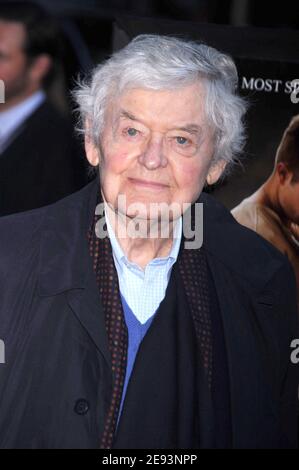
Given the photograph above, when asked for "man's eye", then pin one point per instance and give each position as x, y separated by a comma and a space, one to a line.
182, 140
132, 132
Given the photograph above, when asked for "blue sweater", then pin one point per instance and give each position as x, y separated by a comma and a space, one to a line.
136, 333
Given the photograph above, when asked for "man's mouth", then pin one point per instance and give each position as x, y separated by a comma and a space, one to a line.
147, 184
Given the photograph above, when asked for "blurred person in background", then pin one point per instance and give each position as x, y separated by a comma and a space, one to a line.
273, 210
40, 159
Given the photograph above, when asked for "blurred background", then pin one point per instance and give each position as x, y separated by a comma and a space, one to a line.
91, 21
262, 37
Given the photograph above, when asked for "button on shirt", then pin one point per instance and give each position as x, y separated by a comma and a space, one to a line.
14, 117
144, 290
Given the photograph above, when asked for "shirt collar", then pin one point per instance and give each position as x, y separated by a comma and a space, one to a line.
120, 257
12, 118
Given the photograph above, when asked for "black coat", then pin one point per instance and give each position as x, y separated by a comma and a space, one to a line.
56, 382
41, 164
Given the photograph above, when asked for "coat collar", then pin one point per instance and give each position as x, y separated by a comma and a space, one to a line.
246, 254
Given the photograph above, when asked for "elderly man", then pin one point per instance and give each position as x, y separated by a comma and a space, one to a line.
143, 338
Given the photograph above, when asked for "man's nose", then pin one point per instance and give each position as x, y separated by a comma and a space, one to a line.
153, 156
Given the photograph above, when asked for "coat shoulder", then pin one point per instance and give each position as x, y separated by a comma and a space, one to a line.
20, 233
19, 243
16, 228
239, 247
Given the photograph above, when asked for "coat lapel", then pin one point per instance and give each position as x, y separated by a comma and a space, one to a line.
86, 305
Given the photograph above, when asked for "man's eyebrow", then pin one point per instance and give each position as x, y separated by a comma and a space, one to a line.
190, 128
128, 115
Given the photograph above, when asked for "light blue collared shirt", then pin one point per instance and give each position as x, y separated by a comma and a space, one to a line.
144, 290
12, 118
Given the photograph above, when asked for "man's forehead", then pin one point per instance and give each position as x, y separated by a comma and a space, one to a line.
187, 92
12, 34
184, 106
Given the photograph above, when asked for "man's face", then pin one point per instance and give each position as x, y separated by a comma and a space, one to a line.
289, 198
156, 147
13, 61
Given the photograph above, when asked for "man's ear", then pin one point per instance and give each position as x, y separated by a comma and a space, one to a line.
215, 171
92, 152
40, 67
283, 172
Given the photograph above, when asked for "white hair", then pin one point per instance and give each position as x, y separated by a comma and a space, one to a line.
165, 63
